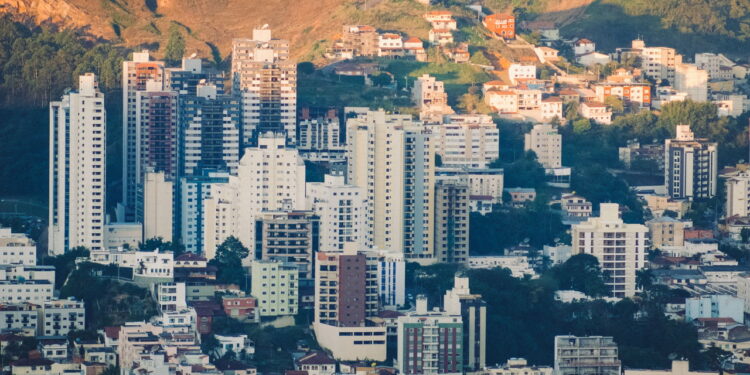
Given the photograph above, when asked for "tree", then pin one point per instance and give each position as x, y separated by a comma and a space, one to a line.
158, 243
306, 68
65, 263
745, 234
228, 260
644, 278
111, 370
582, 273
615, 103
175, 48
382, 79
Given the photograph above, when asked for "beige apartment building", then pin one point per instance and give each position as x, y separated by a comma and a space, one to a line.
666, 231
392, 158
619, 247
546, 142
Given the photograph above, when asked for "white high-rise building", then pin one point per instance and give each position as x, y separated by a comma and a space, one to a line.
471, 141
136, 75
157, 207
392, 157
738, 194
194, 191
343, 213
546, 142
691, 165
270, 177
267, 80
659, 63
619, 247
77, 183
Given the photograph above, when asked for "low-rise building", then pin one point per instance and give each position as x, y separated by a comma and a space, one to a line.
517, 366
16, 248
518, 265
240, 308
237, 344
596, 111
714, 306
519, 196
576, 206
666, 231
316, 363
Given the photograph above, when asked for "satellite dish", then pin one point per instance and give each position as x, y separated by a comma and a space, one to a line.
194, 55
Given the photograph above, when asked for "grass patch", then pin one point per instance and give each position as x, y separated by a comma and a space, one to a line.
457, 77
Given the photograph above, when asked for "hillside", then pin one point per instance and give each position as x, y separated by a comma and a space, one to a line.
210, 25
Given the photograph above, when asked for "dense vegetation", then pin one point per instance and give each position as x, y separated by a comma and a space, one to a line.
108, 302
37, 64
524, 313
688, 25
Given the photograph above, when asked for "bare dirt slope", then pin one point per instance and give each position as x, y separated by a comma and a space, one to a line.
308, 24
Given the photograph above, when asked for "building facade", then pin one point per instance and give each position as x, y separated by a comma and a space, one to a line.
392, 158
266, 78
275, 285
586, 355
452, 211
77, 185
342, 209
16, 248
691, 165
468, 141
546, 142
619, 247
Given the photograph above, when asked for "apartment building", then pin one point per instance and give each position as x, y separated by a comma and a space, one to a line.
266, 78
546, 142
137, 75
156, 132
430, 342
155, 206
576, 355
346, 295
693, 81
470, 141
16, 248
210, 131
361, 39
596, 111
659, 63
275, 285
170, 296
576, 206
320, 138
31, 291
292, 237
391, 278
342, 209
392, 157
738, 194
619, 247
21, 317
189, 219
483, 183
713, 64
271, 177
430, 96
635, 93
77, 152
186, 79
691, 165
452, 211
60, 317
666, 231
519, 72
473, 312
